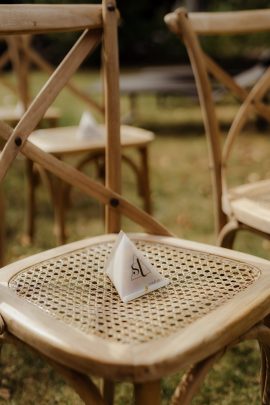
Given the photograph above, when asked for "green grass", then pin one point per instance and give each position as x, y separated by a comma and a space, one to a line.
181, 192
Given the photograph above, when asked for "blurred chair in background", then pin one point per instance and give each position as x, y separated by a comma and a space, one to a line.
246, 206
20, 93
63, 141
15, 54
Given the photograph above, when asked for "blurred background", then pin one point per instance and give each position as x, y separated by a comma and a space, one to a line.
144, 38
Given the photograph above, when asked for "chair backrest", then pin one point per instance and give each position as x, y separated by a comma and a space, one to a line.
20, 65
99, 24
189, 27
23, 55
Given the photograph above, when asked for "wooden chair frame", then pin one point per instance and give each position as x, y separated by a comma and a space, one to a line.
76, 354
22, 55
188, 27
17, 138
94, 18
17, 47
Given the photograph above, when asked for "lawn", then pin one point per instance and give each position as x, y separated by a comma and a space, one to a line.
181, 193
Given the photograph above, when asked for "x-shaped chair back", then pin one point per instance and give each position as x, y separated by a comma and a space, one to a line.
189, 27
22, 55
99, 24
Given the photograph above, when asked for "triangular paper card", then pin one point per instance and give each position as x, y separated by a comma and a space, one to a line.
130, 271
19, 108
88, 128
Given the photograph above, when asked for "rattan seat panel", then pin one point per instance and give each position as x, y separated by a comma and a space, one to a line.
74, 289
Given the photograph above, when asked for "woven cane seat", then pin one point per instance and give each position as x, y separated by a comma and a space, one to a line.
74, 289
63, 296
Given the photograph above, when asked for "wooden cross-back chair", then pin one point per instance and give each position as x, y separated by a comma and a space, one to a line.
63, 141
246, 206
20, 89
62, 305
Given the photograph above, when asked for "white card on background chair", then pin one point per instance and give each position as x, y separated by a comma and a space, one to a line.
88, 128
130, 271
19, 108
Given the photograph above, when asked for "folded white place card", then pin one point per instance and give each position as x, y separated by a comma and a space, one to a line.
130, 271
19, 108
88, 128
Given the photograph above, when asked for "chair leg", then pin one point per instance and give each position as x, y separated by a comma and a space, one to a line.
265, 375
145, 179
31, 202
59, 212
227, 234
81, 384
108, 391
142, 176
84, 387
147, 393
56, 188
133, 106
265, 369
192, 380
2, 228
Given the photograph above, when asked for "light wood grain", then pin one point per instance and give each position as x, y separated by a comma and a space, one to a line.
112, 111
235, 22
28, 19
